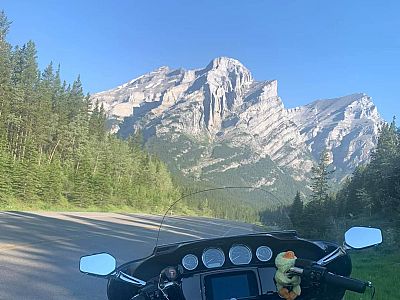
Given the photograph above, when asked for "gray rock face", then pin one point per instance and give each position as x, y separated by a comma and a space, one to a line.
346, 127
223, 105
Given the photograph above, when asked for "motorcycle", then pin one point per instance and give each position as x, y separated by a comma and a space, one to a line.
230, 256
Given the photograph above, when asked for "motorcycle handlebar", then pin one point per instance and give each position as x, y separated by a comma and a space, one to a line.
314, 272
350, 284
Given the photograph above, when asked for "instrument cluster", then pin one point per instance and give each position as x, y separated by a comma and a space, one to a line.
239, 254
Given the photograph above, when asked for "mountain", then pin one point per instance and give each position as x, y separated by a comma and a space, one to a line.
347, 127
218, 124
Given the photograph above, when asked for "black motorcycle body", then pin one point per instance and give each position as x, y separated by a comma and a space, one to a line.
255, 279
218, 259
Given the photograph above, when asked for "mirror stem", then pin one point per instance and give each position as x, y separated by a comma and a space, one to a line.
340, 251
130, 279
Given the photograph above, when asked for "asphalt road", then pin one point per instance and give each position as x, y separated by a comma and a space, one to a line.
39, 252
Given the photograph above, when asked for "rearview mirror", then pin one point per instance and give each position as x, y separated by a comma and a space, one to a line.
362, 237
102, 264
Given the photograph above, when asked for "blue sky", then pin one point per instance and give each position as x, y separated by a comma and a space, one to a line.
316, 49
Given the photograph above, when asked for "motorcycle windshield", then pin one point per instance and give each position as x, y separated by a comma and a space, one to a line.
217, 212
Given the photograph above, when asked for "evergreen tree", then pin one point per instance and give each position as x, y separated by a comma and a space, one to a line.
5, 172
296, 212
383, 173
318, 212
5, 73
374, 189
319, 185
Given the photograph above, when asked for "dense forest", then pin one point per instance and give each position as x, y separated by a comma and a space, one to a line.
54, 147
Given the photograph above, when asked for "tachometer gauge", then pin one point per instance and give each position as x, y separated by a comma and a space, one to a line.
190, 262
264, 253
240, 255
213, 258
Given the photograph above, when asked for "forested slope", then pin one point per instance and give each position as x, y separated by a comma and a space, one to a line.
54, 147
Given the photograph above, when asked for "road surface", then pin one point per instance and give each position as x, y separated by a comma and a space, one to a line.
39, 252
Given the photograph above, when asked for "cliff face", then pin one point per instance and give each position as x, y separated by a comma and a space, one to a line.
347, 127
219, 119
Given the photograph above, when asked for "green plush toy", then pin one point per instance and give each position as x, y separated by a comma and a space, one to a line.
288, 288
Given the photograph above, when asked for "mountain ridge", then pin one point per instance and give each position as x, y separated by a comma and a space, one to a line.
222, 104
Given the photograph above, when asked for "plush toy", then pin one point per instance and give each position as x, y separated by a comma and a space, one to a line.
288, 287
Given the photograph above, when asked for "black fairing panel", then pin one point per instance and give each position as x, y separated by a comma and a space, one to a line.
171, 255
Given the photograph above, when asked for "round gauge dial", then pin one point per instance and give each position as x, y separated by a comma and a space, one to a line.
264, 253
190, 262
240, 255
213, 258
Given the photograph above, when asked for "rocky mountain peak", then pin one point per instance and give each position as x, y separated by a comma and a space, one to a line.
227, 73
226, 64
222, 104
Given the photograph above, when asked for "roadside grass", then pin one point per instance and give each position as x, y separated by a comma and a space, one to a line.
65, 206
380, 267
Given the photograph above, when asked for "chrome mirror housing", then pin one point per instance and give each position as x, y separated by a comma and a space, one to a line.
102, 264
354, 238
362, 237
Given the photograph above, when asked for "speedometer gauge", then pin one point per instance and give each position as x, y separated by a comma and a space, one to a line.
240, 255
213, 258
190, 262
264, 253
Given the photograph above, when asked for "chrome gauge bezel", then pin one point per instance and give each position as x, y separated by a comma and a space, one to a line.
258, 253
184, 260
234, 259
207, 251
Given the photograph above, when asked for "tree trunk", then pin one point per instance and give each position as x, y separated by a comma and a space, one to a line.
54, 151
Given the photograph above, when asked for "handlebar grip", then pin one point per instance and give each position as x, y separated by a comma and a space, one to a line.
303, 263
351, 284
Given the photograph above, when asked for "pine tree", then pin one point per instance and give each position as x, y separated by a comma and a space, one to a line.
296, 212
5, 172
382, 173
319, 185
5, 72
316, 213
